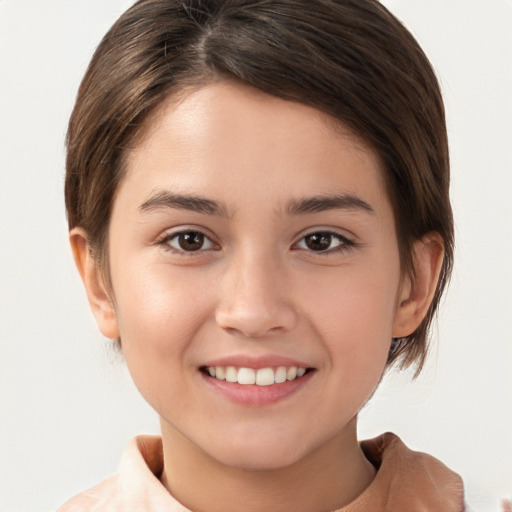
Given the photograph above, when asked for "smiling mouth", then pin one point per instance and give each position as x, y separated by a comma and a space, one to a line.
258, 377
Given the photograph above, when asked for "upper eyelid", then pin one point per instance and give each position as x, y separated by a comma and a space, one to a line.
165, 240
172, 232
346, 243
332, 231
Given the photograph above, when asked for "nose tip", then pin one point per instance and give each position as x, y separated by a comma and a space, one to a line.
255, 302
252, 322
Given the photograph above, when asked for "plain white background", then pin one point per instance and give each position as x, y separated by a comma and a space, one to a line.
68, 406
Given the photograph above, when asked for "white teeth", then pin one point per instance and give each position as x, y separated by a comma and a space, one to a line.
280, 375
246, 376
291, 373
260, 377
231, 374
265, 377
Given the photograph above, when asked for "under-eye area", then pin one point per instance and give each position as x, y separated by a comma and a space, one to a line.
252, 376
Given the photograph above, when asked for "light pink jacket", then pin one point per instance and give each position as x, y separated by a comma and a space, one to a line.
406, 481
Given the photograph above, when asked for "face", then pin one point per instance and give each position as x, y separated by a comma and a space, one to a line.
255, 274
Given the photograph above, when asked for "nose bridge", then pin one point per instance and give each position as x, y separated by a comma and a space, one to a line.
254, 299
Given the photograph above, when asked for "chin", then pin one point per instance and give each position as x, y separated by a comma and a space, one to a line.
260, 459
259, 452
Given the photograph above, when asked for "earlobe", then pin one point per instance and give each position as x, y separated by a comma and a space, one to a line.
98, 296
418, 290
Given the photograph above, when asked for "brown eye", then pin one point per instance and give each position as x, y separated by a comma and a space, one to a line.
324, 241
318, 241
189, 241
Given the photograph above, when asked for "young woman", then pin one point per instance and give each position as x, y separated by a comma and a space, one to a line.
257, 196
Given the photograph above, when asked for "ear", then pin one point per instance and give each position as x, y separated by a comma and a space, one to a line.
417, 291
102, 306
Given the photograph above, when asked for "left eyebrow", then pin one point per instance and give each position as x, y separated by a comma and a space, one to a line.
324, 203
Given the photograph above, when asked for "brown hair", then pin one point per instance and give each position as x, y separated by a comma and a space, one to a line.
349, 58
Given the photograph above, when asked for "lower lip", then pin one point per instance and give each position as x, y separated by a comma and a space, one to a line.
257, 395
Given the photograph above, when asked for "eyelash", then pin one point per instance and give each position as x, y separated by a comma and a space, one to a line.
345, 244
165, 242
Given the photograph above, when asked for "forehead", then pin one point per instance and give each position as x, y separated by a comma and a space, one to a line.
231, 107
229, 137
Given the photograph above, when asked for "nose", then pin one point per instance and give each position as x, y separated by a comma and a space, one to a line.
255, 298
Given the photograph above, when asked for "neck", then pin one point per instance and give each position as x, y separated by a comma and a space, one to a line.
328, 478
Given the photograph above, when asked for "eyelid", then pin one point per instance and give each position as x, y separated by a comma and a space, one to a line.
166, 236
342, 233
347, 242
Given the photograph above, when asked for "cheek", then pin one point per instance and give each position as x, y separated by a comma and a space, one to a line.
159, 312
353, 311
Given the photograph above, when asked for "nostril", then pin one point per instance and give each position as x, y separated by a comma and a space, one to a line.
254, 301
256, 323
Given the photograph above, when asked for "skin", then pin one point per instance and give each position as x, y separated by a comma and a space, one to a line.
255, 288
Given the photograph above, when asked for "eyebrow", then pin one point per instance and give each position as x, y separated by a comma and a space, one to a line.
198, 204
324, 203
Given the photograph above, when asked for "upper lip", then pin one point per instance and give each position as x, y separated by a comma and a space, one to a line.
265, 361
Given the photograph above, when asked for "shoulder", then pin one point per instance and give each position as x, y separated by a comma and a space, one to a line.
135, 488
96, 498
407, 480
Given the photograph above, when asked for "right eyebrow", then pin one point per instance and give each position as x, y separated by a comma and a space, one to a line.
198, 204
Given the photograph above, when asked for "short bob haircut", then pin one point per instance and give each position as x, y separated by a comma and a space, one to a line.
349, 58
